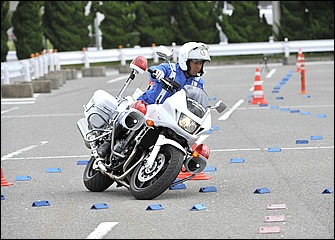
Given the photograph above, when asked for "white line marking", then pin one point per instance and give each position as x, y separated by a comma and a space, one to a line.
45, 115
17, 99
212, 150
102, 230
270, 73
50, 157
117, 79
16, 103
307, 148
11, 101
9, 110
22, 150
227, 114
260, 149
236, 149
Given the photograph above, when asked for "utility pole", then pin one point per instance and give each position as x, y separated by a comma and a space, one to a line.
276, 18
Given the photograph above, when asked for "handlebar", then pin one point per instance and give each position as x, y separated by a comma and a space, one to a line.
168, 83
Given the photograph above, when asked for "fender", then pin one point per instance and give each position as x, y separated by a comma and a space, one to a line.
162, 140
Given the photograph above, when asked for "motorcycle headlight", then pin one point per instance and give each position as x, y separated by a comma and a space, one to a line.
187, 124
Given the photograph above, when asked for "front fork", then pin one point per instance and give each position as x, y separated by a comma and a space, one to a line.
162, 140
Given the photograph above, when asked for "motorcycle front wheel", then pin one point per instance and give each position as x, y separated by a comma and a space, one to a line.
146, 184
94, 180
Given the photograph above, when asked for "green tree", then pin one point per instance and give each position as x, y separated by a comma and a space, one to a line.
118, 25
66, 25
5, 24
301, 20
26, 21
245, 25
320, 17
196, 21
152, 25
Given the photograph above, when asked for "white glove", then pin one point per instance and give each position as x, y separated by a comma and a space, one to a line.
159, 74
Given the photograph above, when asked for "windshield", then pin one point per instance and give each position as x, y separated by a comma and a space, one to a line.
197, 100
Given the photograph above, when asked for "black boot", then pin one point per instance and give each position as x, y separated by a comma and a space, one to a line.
104, 149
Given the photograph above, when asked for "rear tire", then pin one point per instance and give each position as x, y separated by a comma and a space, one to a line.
94, 180
146, 185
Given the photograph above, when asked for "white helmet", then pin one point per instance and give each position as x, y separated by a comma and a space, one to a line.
193, 50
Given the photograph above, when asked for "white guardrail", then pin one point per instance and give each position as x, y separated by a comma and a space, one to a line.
36, 67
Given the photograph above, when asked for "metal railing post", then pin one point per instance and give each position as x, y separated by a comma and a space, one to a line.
4, 69
86, 60
51, 60
26, 71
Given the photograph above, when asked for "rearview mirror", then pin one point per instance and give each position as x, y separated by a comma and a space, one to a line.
220, 106
163, 52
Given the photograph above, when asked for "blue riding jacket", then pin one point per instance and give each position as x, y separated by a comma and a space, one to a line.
156, 94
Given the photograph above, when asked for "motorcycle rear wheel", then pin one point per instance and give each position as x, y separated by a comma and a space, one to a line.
146, 185
94, 180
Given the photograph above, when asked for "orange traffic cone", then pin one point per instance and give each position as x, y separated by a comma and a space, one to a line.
200, 176
4, 180
257, 75
258, 95
300, 59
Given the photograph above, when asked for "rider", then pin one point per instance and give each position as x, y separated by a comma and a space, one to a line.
188, 71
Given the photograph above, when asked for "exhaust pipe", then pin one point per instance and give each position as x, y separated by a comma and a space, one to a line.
131, 119
195, 165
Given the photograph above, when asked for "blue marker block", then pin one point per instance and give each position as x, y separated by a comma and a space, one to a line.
237, 160
82, 162
275, 91
155, 207
284, 109
321, 115
23, 178
215, 128
279, 98
263, 105
305, 113
262, 190
99, 206
295, 111
208, 132
198, 207
178, 186
307, 96
210, 169
274, 149
316, 137
53, 170
2, 197
327, 191
41, 203
208, 189
301, 141
274, 107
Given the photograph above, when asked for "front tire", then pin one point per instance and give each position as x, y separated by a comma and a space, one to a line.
147, 184
94, 180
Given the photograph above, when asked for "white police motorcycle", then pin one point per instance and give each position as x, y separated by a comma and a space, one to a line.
149, 144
